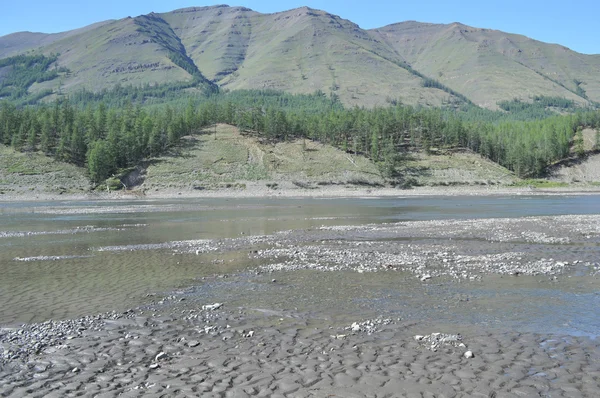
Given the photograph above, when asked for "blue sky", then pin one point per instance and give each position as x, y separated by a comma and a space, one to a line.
575, 23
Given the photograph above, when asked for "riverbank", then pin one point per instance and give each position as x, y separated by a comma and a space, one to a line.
262, 190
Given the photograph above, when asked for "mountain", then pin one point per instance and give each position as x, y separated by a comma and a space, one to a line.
305, 50
489, 65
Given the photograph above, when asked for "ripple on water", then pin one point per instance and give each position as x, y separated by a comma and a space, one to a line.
48, 258
78, 230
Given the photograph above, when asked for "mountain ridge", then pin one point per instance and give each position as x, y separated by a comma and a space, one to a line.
304, 50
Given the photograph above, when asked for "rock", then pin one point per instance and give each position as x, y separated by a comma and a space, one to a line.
154, 366
212, 307
419, 337
193, 343
425, 278
76, 370
469, 355
355, 327
160, 356
250, 333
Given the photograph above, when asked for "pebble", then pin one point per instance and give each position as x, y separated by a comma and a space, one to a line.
212, 307
469, 354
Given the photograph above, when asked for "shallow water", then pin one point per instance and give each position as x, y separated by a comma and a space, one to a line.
52, 265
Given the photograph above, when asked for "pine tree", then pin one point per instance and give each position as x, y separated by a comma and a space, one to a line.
32, 137
374, 146
46, 138
100, 162
578, 142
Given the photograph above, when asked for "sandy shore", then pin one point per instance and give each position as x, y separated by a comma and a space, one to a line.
256, 190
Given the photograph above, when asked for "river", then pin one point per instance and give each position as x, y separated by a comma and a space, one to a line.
67, 259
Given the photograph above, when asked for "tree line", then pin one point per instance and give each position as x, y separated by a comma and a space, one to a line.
107, 138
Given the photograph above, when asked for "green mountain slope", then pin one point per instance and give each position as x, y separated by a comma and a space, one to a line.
17, 43
128, 51
488, 65
305, 50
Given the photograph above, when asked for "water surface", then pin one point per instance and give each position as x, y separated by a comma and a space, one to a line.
68, 276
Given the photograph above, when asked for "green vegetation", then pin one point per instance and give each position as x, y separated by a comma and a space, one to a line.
539, 105
106, 139
22, 71
33, 173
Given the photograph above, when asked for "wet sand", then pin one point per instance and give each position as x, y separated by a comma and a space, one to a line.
270, 341
178, 349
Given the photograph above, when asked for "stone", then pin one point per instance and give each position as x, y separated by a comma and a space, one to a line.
161, 355
469, 355
154, 366
212, 307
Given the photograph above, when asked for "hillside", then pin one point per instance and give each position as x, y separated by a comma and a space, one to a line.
234, 161
28, 175
299, 51
489, 65
305, 50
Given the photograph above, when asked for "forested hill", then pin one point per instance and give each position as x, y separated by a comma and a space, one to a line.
107, 140
298, 51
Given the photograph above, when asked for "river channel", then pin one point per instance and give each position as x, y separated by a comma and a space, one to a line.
63, 260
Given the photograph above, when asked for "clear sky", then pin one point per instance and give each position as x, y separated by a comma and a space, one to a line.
575, 23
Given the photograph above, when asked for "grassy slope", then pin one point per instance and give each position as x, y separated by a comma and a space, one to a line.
216, 38
300, 51
578, 171
205, 162
33, 173
586, 170
459, 168
17, 43
488, 65
304, 50
114, 53
233, 159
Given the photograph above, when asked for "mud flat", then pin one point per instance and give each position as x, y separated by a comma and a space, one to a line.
183, 350
379, 310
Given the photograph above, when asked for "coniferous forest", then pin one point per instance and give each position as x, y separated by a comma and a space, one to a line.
118, 128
